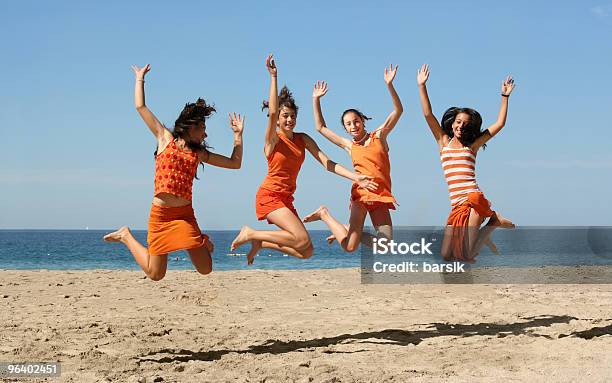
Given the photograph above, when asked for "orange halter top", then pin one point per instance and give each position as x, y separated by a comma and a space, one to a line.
372, 160
284, 164
175, 170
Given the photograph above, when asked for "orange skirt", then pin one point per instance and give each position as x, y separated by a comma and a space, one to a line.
458, 221
371, 200
373, 205
267, 201
172, 229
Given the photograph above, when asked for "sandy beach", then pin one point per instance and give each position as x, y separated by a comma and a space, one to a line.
302, 326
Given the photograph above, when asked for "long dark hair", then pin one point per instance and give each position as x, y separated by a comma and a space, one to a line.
285, 99
471, 131
192, 114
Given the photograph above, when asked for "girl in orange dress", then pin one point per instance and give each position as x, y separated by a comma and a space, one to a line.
370, 155
459, 138
172, 224
285, 151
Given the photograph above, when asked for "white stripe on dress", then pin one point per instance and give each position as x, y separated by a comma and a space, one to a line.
467, 164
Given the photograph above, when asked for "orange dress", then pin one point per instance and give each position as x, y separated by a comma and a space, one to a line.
373, 160
459, 167
284, 163
174, 228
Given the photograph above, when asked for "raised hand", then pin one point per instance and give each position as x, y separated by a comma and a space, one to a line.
320, 89
423, 74
366, 182
236, 122
271, 65
507, 86
390, 73
140, 72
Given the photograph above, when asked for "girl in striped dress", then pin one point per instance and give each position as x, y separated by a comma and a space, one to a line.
459, 138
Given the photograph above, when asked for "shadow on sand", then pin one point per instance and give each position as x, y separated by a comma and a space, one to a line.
394, 337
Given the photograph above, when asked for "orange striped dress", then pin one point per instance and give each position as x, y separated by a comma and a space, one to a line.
460, 172
459, 167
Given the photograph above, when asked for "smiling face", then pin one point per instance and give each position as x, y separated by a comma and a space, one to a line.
287, 119
461, 121
354, 125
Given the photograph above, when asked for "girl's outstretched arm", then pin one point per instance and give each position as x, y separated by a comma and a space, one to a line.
320, 89
363, 181
398, 109
235, 161
157, 128
434, 125
271, 136
506, 90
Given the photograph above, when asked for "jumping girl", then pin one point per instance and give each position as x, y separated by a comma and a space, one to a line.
172, 224
459, 139
285, 151
370, 155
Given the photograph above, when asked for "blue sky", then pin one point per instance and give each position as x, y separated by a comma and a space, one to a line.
76, 153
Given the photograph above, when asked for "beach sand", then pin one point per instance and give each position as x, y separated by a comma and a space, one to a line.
304, 326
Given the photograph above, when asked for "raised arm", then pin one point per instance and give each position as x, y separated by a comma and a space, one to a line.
271, 136
434, 125
398, 109
235, 161
363, 181
506, 90
157, 128
320, 89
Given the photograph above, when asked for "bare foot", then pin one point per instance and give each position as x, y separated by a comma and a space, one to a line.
491, 246
241, 238
503, 222
316, 215
330, 239
255, 247
469, 260
117, 236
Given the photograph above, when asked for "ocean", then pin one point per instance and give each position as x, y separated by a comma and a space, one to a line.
85, 250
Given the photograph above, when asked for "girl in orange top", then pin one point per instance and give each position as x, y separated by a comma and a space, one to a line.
459, 139
370, 155
285, 152
172, 224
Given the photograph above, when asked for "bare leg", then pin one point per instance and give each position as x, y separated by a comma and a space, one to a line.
381, 220
302, 254
484, 236
366, 238
348, 238
447, 250
255, 247
293, 233
201, 259
473, 227
293, 239
338, 230
153, 266
258, 245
